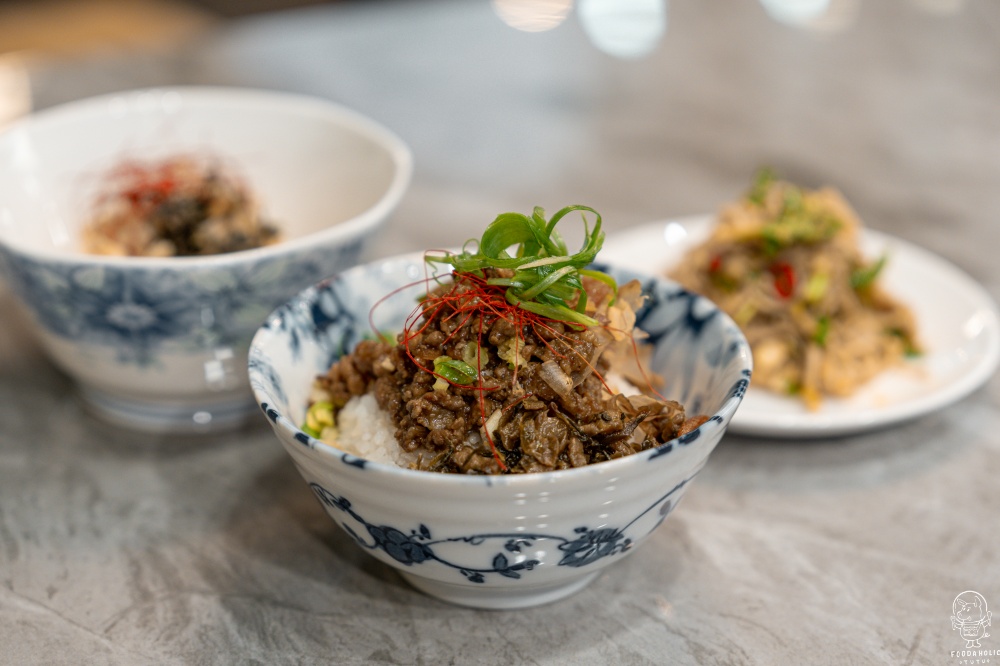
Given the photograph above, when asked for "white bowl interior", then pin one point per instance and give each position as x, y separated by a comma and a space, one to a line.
311, 164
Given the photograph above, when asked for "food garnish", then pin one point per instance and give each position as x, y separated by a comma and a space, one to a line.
507, 364
546, 278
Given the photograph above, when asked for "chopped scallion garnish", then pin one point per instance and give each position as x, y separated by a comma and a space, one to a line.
816, 287
822, 330
546, 279
455, 371
865, 277
318, 417
762, 183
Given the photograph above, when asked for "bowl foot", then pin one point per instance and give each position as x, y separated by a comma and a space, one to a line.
499, 598
167, 416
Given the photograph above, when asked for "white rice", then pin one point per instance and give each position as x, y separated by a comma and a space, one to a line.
364, 429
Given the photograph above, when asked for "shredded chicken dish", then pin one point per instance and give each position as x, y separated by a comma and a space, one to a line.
785, 263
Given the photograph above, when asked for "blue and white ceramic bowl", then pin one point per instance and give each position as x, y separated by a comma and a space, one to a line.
502, 541
160, 343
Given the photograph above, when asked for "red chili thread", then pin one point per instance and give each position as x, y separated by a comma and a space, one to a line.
470, 295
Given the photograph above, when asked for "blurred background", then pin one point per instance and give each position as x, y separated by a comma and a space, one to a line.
34, 33
56, 32
580, 93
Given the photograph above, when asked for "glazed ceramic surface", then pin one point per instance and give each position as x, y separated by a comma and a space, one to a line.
160, 343
495, 541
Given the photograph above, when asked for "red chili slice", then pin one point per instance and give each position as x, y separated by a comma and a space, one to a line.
164, 186
784, 279
715, 264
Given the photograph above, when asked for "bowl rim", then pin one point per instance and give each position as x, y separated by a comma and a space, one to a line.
718, 420
195, 96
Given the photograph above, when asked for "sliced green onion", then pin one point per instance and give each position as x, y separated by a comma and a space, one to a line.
455, 371
762, 182
546, 282
547, 278
910, 349
772, 244
548, 261
822, 330
318, 416
864, 277
796, 222
507, 282
474, 355
793, 201
816, 287
560, 312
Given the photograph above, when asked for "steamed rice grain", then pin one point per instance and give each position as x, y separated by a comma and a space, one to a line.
366, 430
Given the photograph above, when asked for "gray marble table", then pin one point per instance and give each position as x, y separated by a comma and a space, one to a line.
122, 548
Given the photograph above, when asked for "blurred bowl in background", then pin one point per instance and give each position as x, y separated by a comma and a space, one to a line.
505, 541
159, 344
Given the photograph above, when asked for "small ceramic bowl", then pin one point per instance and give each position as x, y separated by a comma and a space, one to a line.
159, 344
495, 541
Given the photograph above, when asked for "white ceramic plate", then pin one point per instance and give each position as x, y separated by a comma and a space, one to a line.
957, 321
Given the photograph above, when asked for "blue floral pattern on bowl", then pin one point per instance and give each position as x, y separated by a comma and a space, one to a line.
584, 547
137, 311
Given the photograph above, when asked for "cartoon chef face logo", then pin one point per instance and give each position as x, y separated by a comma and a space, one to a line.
970, 617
